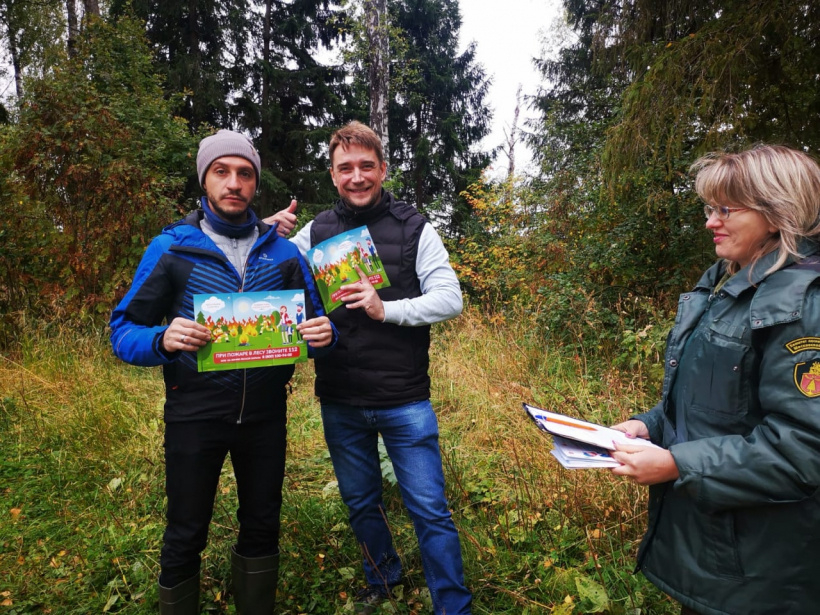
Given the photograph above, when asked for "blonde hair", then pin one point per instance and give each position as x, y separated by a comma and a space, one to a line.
781, 183
356, 133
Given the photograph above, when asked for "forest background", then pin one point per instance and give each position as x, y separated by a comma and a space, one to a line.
570, 273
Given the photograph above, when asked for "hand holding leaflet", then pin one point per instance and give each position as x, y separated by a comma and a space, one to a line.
340, 261
582, 431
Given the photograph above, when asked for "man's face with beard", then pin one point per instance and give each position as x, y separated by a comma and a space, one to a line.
230, 184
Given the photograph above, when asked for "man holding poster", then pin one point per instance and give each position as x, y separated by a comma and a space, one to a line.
220, 248
376, 382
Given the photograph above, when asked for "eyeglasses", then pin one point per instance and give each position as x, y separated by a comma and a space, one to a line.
721, 211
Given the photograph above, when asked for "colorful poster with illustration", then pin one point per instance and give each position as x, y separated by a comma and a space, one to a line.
334, 263
251, 329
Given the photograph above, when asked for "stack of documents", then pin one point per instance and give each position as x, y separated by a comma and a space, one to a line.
579, 444
573, 454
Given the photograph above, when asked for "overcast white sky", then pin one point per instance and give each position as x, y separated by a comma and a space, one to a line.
508, 35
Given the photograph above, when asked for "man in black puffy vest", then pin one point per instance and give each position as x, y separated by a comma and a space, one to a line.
376, 381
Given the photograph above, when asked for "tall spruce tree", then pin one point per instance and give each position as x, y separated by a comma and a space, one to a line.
437, 113
638, 236
578, 99
648, 87
292, 101
252, 65
201, 49
711, 74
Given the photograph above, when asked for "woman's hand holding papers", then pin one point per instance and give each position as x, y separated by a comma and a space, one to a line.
645, 465
633, 428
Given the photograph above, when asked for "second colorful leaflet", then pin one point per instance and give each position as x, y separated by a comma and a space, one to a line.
334, 261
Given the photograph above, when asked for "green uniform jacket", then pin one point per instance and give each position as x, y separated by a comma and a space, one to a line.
739, 531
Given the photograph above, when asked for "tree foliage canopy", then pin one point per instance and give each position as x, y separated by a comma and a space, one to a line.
709, 75
30, 31
94, 167
200, 49
438, 114
97, 150
254, 65
101, 145
291, 101
645, 88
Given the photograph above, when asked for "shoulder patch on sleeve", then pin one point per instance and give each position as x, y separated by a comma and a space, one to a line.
807, 378
803, 343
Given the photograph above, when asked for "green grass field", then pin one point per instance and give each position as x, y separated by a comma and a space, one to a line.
81, 485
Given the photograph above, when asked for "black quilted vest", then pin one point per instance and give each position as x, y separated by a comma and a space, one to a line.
376, 364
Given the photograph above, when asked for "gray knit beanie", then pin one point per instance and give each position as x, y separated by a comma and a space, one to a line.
225, 143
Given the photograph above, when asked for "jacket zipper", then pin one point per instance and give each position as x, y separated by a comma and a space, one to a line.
241, 289
244, 371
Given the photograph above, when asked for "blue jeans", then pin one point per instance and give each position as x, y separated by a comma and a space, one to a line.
410, 434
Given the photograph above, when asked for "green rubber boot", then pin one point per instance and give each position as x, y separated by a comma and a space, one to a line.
182, 599
254, 583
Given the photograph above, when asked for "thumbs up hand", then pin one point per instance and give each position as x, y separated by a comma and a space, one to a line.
286, 219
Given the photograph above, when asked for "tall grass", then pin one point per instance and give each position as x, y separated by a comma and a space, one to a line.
81, 484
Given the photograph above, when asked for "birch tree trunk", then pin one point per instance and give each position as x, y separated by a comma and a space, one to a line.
15, 62
266, 74
73, 31
512, 138
10, 18
92, 7
378, 56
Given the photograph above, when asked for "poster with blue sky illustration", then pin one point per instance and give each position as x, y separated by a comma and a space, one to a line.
251, 329
334, 262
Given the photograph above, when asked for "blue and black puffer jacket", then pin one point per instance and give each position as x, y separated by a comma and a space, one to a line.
179, 263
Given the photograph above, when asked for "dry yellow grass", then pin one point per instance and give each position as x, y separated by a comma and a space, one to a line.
482, 373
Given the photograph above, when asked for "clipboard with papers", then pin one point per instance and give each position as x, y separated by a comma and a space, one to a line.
580, 444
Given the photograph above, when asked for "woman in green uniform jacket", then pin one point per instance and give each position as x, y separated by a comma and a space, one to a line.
734, 506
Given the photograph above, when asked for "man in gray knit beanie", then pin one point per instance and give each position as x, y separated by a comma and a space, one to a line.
219, 249
228, 168
225, 143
